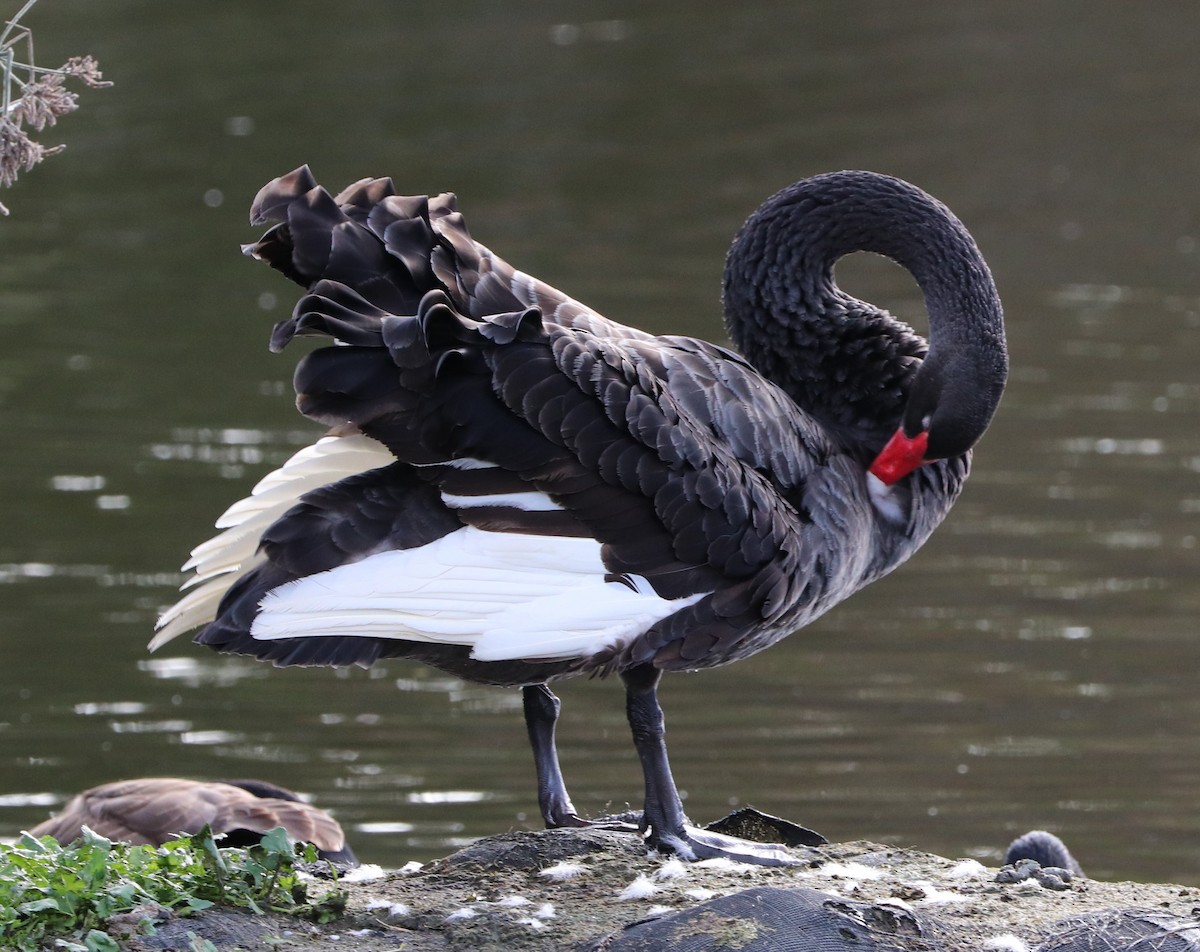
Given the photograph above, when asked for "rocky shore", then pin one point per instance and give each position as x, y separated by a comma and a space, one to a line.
599, 890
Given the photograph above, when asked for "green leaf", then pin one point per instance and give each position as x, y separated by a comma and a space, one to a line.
97, 941
278, 841
38, 905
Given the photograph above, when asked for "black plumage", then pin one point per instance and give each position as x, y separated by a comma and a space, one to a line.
692, 504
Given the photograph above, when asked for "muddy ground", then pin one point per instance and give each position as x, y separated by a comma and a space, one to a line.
583, 889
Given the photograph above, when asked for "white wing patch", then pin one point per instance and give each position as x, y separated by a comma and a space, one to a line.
218, 563
507, 595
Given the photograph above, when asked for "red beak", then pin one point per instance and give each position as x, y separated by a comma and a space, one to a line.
900, 457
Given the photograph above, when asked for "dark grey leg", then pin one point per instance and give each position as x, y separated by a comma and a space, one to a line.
663, 815
664, 824
541, 716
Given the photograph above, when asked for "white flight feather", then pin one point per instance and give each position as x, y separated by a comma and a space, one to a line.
526, 501
197, 608
462, 462
507, 595
217, 563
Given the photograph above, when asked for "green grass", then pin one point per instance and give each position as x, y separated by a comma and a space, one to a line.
54, 896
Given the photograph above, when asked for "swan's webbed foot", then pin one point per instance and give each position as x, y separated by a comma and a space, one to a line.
627, 822
693, 843
567, 821
621, 822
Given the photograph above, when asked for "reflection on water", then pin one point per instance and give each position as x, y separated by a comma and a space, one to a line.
220, 670
1033, 666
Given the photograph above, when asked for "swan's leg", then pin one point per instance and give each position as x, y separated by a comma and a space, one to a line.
541, 716
664, 823
663, 815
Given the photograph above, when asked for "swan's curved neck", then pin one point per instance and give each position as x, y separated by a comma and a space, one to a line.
843, 360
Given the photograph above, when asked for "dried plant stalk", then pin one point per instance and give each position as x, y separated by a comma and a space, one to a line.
33, 97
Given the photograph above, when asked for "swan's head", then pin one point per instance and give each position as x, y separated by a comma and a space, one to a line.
949, 407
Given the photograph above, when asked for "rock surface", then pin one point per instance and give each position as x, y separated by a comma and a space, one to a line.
599, 890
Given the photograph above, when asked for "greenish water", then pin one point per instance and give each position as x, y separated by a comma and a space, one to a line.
1035, 665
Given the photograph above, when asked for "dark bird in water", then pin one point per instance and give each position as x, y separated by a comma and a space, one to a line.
515, 489
153, 810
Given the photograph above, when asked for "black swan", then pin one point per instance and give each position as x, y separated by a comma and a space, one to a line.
153, 810
516, 489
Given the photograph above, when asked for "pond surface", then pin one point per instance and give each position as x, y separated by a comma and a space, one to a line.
1033, 666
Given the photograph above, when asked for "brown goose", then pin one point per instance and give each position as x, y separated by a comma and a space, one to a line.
153, 810
516, 489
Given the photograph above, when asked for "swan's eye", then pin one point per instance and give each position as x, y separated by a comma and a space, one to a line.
926, 421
